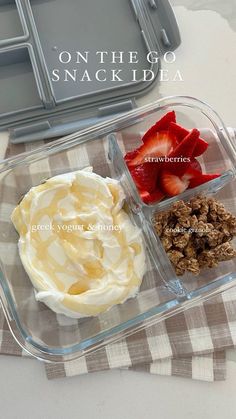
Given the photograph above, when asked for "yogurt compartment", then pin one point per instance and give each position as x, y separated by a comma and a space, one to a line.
78, 245
54, 337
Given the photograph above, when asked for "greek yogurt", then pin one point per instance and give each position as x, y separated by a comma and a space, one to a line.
78, 245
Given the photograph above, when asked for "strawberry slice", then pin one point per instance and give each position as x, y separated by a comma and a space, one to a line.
195, 164
203, 178
181, 133
201, 147
184, 151
197, 178
161, 125
178, 130
144, 195
130, 155
158, 145
173, 185
151, 198
186, 147
145, 175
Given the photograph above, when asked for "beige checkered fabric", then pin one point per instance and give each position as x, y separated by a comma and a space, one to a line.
191, 344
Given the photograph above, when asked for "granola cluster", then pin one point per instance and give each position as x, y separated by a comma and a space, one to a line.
196, 234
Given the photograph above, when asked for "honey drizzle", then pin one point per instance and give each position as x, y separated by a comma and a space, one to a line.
72, 243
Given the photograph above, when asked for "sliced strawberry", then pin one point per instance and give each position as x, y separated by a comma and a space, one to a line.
202, 178
161, 125
144, 195
180, 157
145, 175
181, 133
195, 164
151, 198
131, 155
186, 147
200, 148
191, 174
156, 196
172, 185
197, 178
157, 145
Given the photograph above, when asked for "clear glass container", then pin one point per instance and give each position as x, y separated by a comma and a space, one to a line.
54, 337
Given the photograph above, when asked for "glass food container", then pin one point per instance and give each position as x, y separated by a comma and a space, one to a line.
52, 337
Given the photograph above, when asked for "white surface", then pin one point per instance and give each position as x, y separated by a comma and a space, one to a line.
26, 394
207, 60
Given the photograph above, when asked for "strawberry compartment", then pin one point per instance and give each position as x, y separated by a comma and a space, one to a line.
164, 164
219, 157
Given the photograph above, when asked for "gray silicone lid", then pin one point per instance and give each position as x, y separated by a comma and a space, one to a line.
33, 34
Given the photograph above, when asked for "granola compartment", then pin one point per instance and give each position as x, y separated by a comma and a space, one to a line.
209, 253
196, 234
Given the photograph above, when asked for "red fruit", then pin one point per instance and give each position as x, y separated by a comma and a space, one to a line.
191, 174
186, 147
200, 148
184, 150
202, 178
172, 185
157, 145
156, 196
151, 198
195, 165
144, 195
145, 176
181, 133
197, 178
161, 125
131, 155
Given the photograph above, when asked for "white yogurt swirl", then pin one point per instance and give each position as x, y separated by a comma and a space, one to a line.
78, 246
